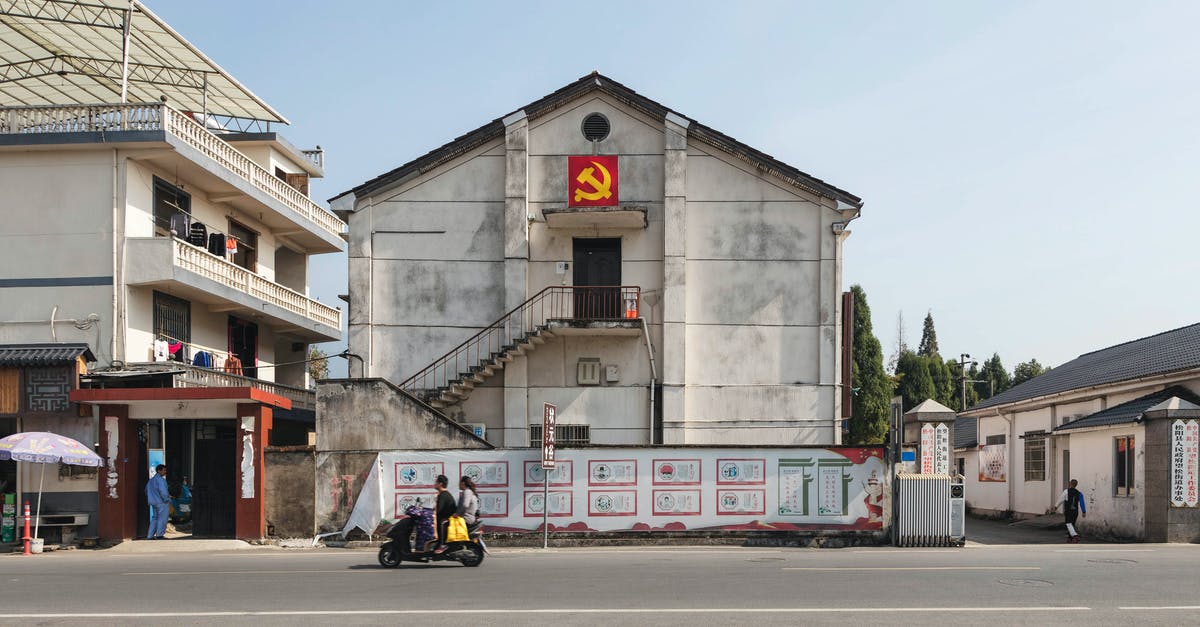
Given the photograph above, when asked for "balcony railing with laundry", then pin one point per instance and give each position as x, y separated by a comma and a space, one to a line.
554, 310
199, 377
104, 118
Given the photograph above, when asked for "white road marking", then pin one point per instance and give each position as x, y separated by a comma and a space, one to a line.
709, 610
1162, 607
884, 551
876, 568
1103, 550
244, 572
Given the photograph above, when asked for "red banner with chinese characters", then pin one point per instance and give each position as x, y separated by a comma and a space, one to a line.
592, 181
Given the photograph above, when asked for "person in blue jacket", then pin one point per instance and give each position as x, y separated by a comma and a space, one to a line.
1074, 502
160, 503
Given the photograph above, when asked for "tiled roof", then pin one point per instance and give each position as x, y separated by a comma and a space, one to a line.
13, 355
598, 82
1170, 351
1129, 411
966, 432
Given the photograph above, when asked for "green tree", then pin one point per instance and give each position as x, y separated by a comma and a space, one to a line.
1027, 370
318, 363
871, 385
943, 380
928, 346
994, 377
913, 380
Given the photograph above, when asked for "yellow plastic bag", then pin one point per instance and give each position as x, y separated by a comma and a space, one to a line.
458, 530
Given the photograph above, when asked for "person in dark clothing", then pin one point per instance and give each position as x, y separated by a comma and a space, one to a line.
1073, 503
445, 508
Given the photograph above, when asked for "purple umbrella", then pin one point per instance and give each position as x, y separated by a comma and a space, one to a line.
43, 448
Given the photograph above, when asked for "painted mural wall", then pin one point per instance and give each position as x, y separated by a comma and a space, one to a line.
639, 489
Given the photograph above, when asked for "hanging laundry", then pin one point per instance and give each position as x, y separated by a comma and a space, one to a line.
180, 226
231, 245
202, 359
218, 362
233, 365
198, 235
216, 244
161, 352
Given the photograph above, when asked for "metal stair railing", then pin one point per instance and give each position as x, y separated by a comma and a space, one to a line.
568, 303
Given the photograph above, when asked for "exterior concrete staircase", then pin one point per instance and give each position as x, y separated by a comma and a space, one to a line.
450, 379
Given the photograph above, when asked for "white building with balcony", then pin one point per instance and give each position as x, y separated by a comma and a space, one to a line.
152, 211
657, 280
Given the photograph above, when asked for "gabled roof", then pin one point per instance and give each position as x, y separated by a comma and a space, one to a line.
598, 82
1170, 351
64, 52
1130, 411
966, 432
58, 354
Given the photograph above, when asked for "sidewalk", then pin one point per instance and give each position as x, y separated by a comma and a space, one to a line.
1041, 530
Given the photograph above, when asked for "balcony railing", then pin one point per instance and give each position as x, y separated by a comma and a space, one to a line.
156, 117
197, 377
199, 261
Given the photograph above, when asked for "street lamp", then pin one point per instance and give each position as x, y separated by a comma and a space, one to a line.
963, 360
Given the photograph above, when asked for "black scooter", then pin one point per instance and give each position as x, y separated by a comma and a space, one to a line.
468, 553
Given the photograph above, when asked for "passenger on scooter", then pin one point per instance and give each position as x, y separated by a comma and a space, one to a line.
468, 501
444, 509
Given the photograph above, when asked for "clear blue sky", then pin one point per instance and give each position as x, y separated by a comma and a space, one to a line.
1029, 169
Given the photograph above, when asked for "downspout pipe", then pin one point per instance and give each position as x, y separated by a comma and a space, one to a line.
653, 377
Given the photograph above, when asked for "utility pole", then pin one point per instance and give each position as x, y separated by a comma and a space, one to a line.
963, 360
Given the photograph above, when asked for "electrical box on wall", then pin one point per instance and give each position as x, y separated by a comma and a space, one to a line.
561, 267
588, 372
612, 374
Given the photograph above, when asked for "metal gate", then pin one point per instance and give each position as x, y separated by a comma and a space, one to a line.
930, 511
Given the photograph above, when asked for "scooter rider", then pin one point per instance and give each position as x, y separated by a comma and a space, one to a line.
445, 508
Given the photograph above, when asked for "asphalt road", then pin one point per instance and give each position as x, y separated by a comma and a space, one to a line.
976, 585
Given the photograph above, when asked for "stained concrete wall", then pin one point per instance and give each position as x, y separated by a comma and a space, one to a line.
740, 274
291, 473
357, 418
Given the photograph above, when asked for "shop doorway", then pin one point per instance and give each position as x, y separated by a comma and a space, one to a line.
213, 500
596, 277
201, 456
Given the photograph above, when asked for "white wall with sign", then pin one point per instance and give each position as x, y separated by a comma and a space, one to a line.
1185, 463
640, 489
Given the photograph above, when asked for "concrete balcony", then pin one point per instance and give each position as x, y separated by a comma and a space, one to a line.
176, 143
197, 377
199, 276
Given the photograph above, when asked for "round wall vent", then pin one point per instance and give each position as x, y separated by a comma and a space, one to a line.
595, 127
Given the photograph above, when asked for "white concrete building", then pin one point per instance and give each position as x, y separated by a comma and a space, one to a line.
149, 204
658, 281
1101, 419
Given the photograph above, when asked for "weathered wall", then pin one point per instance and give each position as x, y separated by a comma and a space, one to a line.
740, 274
291, 473
1107, 514
357, 418
56, 247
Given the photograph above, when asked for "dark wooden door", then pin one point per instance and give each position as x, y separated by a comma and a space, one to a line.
596, 277
213, 491
243, 344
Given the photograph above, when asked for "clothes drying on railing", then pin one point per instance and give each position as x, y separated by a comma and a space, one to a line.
233, 365
181, 225
198, 235
216, 244
161, 350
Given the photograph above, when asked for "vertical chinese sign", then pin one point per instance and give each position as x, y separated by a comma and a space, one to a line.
1185, 463
927, 448
941, 455
548, 423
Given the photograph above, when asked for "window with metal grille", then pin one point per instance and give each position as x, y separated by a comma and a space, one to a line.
1123, 466
169, 200
173, 320
565, 435
994, 439
1035, 456
595, 127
